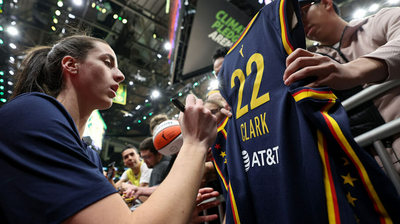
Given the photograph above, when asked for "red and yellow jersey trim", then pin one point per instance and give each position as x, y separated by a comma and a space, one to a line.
221, 176
345, 145
244, 33
221, 127
233, 205
284, 28
310, 93
341, 139
330, 191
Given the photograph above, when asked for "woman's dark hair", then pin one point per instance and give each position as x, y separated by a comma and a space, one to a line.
41, 70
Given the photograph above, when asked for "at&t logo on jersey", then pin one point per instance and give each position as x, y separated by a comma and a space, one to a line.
261, 158
246, 160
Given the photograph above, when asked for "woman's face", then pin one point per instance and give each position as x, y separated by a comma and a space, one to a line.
98, 77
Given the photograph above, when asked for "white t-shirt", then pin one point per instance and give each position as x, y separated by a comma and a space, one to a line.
145, 176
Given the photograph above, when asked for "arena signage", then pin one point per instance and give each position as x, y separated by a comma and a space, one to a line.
217, 23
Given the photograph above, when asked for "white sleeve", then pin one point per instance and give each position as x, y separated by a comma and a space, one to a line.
124, 176
146, 173
385, 28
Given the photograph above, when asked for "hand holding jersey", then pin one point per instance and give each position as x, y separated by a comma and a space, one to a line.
290, 150
302, 64
322, 22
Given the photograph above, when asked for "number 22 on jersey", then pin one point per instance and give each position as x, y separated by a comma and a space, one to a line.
256, 100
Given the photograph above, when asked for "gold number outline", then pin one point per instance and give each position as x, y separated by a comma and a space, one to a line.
255, 101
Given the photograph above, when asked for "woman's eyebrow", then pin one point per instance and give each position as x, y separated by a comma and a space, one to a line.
110, 57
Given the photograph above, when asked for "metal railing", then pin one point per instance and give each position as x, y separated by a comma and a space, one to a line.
374, 136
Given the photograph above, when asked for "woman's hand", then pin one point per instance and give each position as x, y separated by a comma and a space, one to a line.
197, 123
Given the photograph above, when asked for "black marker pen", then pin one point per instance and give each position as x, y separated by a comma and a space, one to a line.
178, 104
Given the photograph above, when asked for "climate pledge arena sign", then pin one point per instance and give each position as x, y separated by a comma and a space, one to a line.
216, 24
227, 31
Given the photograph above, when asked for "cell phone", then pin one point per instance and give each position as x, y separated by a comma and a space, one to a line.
110, 170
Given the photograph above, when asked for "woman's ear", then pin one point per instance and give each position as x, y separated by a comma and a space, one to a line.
328, 4
70, 64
